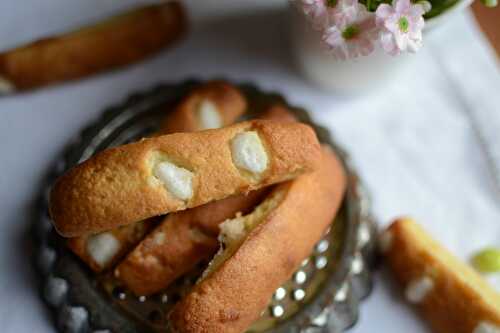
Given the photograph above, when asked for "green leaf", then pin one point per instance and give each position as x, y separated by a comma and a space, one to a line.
439, 6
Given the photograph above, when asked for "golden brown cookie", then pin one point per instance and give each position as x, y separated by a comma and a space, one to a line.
118, 41
191, 234
212, 105
261, 250
168, 173
278, 112
179, 243
103, 250
451, 296
108, 247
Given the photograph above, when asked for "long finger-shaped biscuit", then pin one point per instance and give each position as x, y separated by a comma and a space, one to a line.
212, 105
179, 243
451, 296
118, 41
130, 183
278, 112
153, 265
103, 250
260, 251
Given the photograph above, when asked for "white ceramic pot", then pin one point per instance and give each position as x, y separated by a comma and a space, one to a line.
354, 76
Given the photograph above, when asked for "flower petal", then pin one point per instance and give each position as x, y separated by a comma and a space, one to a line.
417, 24
382, 13
414, 32
401, 41
388, 43
391, 24
426, 6
348, 13
332, 37
368, 23
402, 6
414, 45
416, 11
366, 47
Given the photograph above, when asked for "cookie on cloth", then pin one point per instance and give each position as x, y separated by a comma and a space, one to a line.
451, 296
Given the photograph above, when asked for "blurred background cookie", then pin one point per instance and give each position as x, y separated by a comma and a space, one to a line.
115, 42
451, 296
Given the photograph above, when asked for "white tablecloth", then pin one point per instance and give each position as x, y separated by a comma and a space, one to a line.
412, 142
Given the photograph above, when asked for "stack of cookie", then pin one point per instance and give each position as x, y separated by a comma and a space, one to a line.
253, 197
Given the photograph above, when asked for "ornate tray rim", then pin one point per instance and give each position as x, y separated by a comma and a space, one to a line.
335, 309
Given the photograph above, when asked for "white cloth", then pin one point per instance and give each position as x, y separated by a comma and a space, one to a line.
412, 142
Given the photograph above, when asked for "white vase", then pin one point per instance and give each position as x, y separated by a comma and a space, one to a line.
354, 76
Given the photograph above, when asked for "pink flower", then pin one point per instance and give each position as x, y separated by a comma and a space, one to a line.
353, 33
316, 11
347, 11
400, 26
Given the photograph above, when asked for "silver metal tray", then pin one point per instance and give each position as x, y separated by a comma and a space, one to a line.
322, 296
